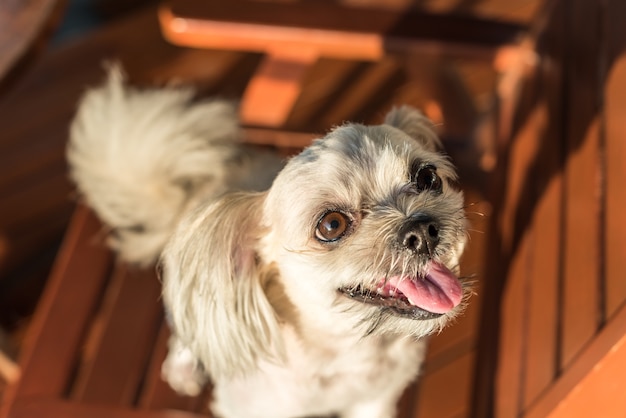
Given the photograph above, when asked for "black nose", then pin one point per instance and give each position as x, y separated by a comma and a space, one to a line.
420, 234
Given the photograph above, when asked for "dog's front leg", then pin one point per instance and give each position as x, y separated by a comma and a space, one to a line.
182, 370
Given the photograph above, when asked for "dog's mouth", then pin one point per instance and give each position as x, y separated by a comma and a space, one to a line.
428, 297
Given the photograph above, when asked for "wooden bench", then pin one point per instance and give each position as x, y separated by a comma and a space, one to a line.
97, 339
555, 316
293, 36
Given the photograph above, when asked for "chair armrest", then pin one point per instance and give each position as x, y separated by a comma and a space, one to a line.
333, 30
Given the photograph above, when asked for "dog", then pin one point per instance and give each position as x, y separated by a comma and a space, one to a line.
305, 288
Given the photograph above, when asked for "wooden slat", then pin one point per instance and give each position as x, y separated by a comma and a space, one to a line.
544, 267
520, 166
362, 92
53, 408
206, 78
322, 86
330, 28
64, 311
606, 342
512, 246
446, 392
581, 281
601, 392
582, 251
511, 360
614, 157
546, 178
530, 116
543, 298
277, 80
498, 381
439, 82
121, 339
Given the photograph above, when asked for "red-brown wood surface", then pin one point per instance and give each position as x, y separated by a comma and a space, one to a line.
78, 277
546, 188
277, 80
614, 157
98, 334
600, 351
360, 91
324, 85
582, 189
330, 28
294, 35
581, 279
559, 344
442, 393
541, 339
359, 94
54, 408
508, 390
600, 393
121, 339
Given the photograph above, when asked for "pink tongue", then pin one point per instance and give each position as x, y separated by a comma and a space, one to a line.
439, 292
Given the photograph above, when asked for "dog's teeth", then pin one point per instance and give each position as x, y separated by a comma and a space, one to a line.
412, 303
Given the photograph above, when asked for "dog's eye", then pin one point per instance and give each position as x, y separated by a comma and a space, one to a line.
426, 178
332, 226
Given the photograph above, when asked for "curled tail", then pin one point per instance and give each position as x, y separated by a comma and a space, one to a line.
138, 156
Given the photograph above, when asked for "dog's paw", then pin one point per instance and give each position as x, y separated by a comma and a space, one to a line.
183, 372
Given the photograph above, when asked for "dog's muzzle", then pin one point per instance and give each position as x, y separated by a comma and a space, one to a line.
397, 304
435, 293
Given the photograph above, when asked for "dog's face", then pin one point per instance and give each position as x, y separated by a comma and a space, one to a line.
368, 224
362, 234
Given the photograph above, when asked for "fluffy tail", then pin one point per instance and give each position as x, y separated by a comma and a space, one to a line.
138, 156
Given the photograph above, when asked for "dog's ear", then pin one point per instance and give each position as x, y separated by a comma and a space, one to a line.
416, 125
213, 287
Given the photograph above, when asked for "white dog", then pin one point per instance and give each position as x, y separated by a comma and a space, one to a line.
311, 298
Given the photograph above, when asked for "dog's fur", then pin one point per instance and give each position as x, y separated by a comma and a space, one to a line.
257, 300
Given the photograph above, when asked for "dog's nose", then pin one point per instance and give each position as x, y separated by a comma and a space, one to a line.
420, 234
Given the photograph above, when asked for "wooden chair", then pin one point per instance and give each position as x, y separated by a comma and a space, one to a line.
97, 339
293, 36
556, 323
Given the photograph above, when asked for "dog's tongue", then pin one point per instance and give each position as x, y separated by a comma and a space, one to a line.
438, 292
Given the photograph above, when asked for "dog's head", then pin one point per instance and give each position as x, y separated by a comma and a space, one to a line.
360, 234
